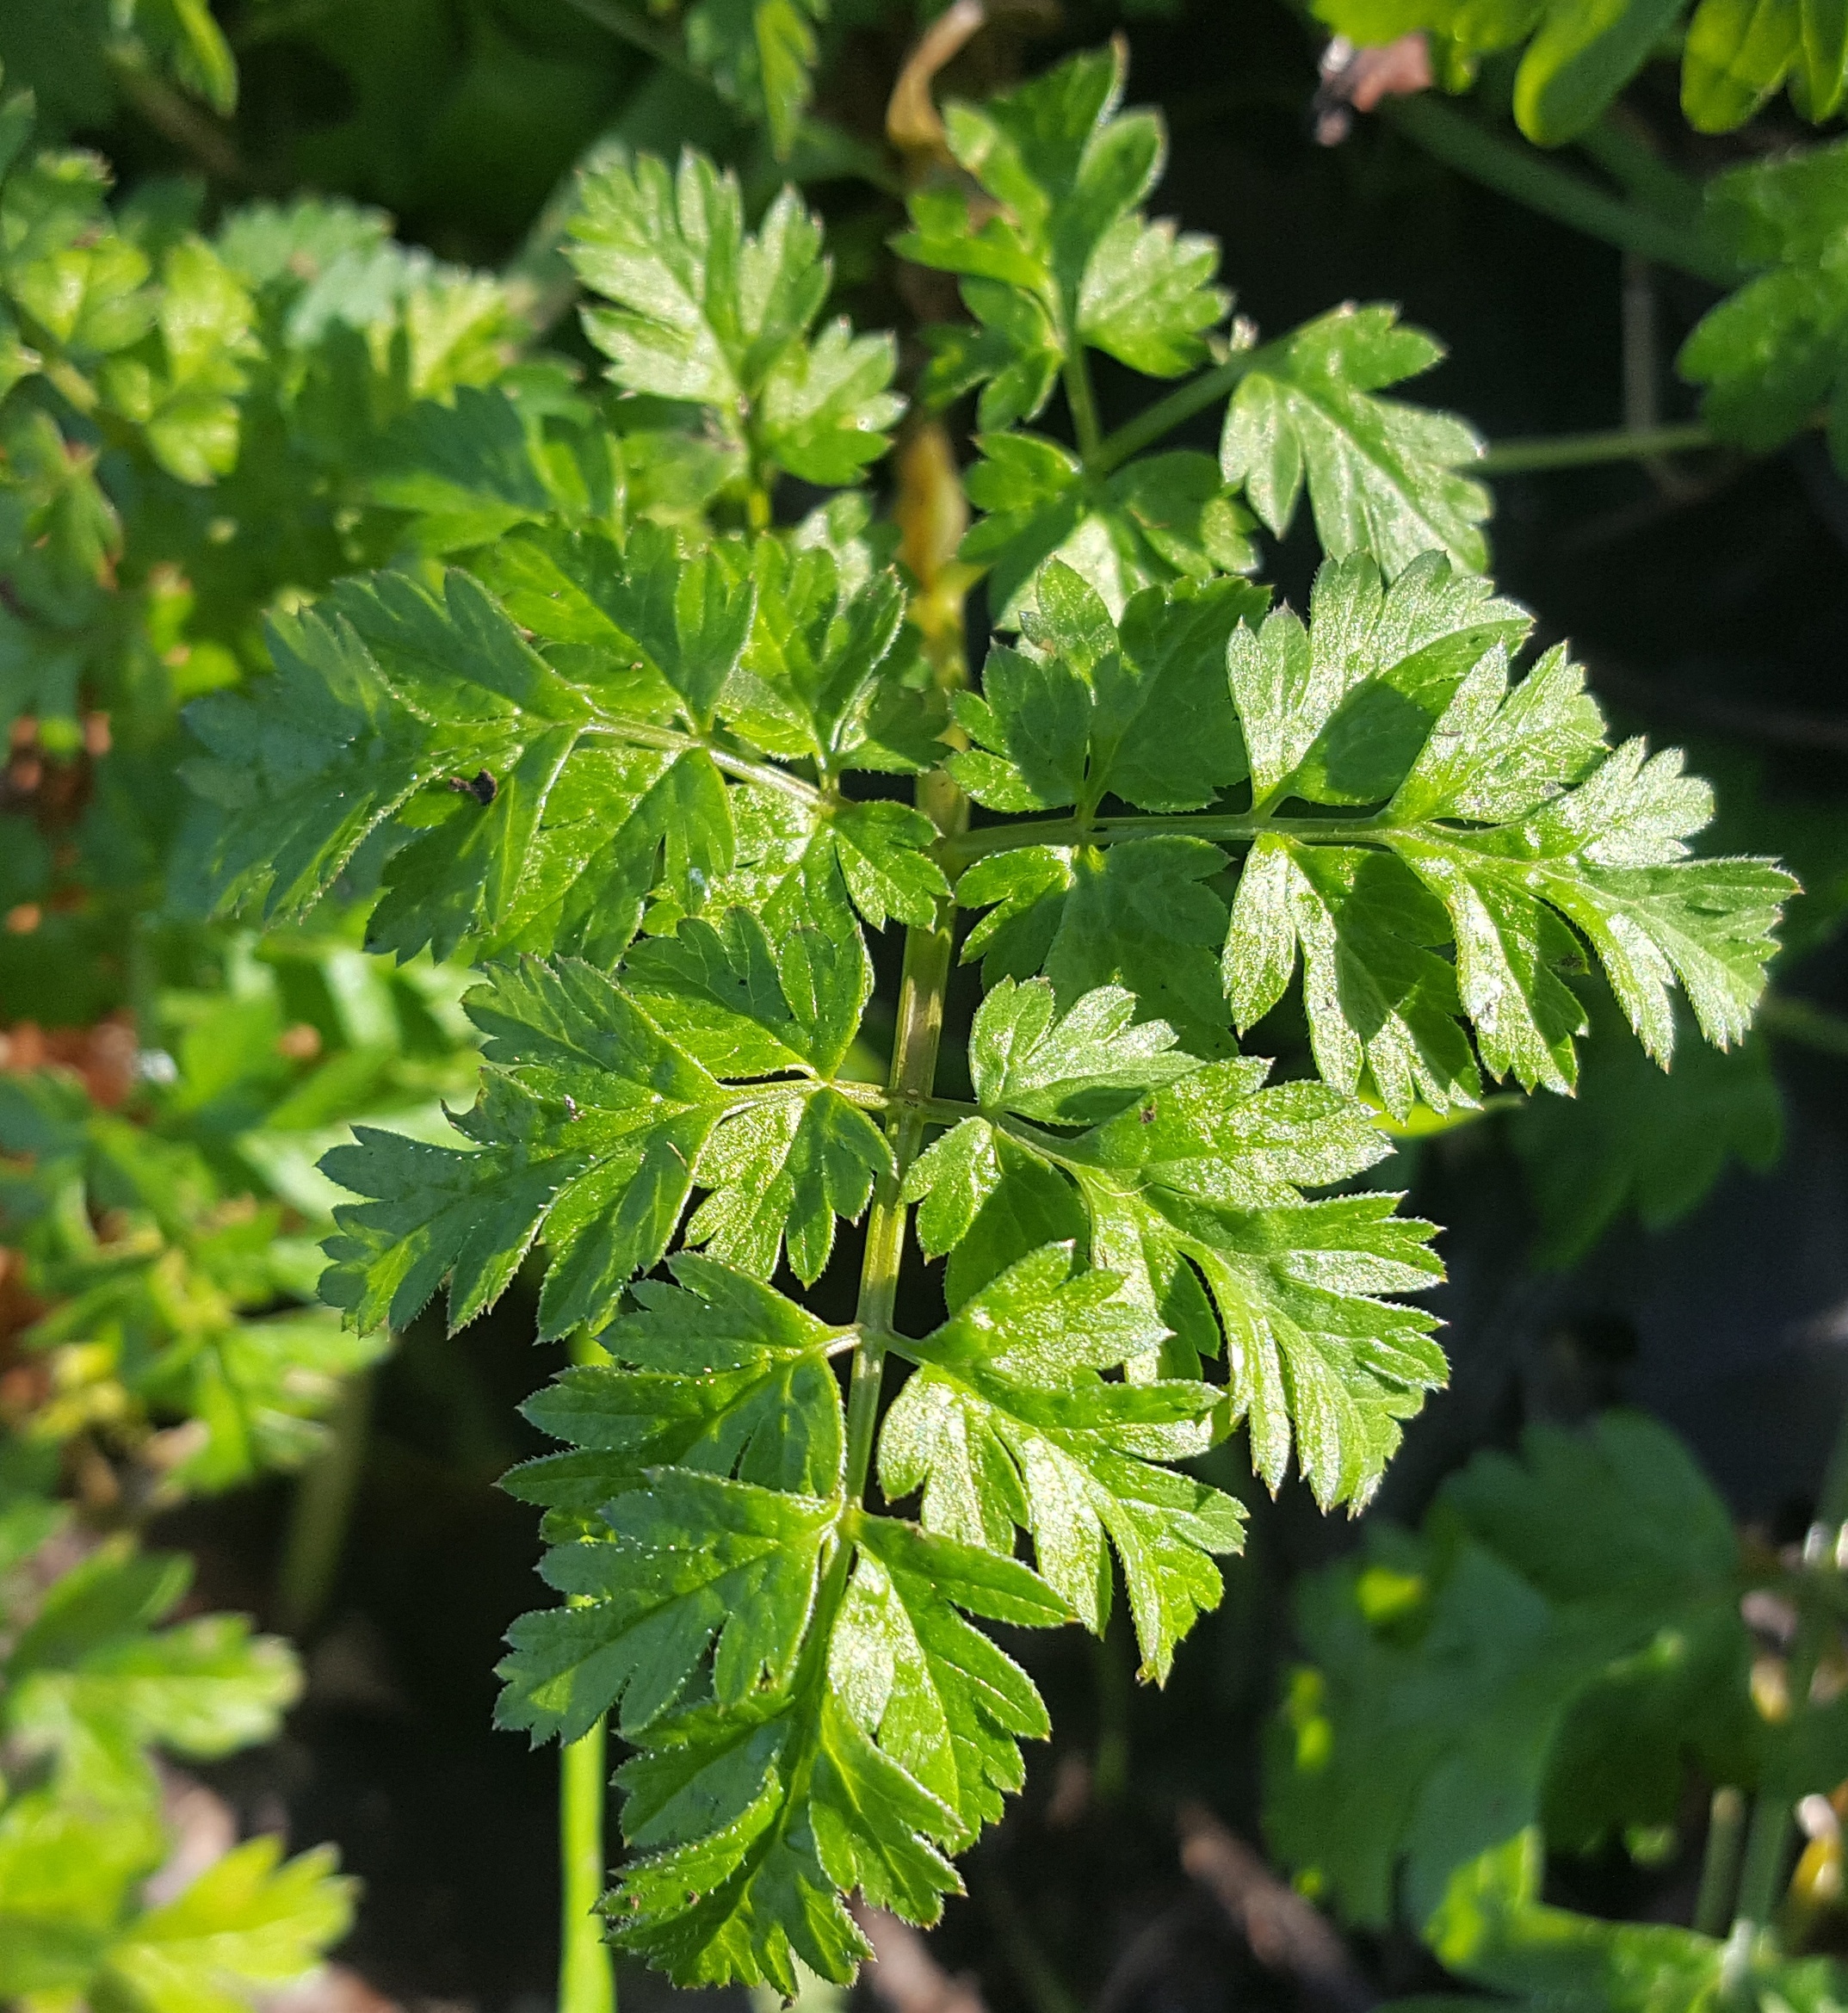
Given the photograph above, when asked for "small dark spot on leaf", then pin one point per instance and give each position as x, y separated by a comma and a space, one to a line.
482, 786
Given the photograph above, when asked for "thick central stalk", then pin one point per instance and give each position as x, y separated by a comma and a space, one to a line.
922, 989
914, 1072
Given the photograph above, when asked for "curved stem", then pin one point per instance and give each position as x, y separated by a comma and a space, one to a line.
1513, 169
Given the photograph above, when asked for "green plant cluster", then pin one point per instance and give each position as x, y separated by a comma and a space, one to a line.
637, 772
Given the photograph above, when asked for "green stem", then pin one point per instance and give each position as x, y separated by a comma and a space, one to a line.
1156, 422
1110, 1776
587, 1975
322, 1510
1083, 400
1585, 450
767, 776
1045, 1991
1726, 1824
937, 1111
641, 35
920, 1027
1785, 1019
1618, 145
1761, 1882
1513, 169
956, 852
918, 1034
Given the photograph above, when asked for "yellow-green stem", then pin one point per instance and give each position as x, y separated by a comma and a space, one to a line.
587, 1979
587, 1976
922, 986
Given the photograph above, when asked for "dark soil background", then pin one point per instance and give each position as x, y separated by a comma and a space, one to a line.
1713, 606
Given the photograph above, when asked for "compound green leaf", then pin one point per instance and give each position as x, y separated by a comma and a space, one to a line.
1382, 475
762, 54
1136, 915
1061, 256
1381, 1003
1563, 1636
1337, 712
696, 1562
1026, 1057
706, 312
1090, 706
937, 1695
1008, 1421
719, 1372
593, 1127
830, 672
1509, 808
245, 1924
748, 1825
1159, 519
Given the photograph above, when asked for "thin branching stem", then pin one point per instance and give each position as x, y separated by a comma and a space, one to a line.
1518, 457
956, 853
1512, 168
1156, 422
767, 776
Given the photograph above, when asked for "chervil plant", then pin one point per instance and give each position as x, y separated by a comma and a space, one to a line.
637, 757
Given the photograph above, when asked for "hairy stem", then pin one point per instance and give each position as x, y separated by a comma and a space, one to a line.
1585, 450
1761, 1882
1511, 168
321, 1512
1160, 419
587, 1975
